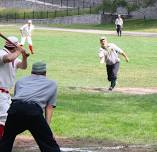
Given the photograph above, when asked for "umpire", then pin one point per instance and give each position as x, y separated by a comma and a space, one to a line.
33, 95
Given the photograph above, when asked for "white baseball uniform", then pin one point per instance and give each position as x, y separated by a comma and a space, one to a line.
119, 21
26, 33
7, 77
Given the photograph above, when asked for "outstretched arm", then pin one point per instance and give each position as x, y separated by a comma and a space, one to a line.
125, 56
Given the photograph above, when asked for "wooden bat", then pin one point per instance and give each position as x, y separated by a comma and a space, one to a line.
4, 37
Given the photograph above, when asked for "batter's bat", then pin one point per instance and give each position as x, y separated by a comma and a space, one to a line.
4, 37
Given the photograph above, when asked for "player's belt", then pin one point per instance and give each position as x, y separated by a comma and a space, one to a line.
3, 90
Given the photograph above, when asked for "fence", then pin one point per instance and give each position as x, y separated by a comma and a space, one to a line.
72, 3
46, 14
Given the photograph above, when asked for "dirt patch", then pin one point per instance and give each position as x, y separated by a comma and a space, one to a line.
139, 91
28, 141
27, 144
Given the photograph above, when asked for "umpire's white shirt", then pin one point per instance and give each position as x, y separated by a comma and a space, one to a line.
7, 76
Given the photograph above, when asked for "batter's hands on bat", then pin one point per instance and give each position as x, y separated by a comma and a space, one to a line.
22, 50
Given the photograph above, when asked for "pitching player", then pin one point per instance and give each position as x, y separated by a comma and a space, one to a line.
119, 25
26, 31
9, 63
108, 53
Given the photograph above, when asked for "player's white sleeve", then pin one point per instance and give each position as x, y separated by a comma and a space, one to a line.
33, 27
101, 55
116, 21
116, 48
23, 27
1, 57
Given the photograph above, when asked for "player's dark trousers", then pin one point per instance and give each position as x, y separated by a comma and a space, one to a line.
19, 120
112, 71
119, 30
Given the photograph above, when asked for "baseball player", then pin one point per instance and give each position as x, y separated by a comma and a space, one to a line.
119, 25
26, 31
108, 53
9, 63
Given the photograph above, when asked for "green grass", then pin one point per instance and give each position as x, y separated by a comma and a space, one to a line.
113, 117
72, 60
73, 56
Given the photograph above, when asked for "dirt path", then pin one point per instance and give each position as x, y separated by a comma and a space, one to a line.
27, 144
128, 33
136, 91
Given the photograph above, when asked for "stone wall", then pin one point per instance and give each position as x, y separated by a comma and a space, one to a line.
79, 19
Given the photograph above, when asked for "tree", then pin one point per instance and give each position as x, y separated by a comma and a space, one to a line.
146, 3
143, 4
106, 6
119, 3
130, 7
112, 5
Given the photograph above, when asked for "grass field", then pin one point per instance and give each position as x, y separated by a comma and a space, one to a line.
72, 60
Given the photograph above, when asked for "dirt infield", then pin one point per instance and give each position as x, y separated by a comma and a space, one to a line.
27, 144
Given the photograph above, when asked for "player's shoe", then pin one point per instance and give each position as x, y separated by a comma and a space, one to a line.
110, 88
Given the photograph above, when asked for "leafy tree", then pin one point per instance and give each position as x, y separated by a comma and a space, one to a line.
146, 3
112, 5
106, 6
142, 4
119, 3
131, 7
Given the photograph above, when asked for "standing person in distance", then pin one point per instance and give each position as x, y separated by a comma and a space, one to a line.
108, 54
33, 95
119, 25
9, 63
26, 34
